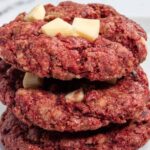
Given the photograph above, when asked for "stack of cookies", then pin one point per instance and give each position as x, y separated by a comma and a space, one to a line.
70, 77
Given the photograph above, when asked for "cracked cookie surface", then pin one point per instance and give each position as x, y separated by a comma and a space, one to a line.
15, 135
118, 50
74, 105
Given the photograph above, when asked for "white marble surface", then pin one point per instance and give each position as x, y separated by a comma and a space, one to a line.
138, 10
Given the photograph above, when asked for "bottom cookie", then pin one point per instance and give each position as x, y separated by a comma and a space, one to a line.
17, 136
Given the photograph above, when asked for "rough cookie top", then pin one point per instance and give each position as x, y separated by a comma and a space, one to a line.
74, 105
118, 49
15, 135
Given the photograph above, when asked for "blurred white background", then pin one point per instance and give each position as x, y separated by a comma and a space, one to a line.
131, 8
139, 10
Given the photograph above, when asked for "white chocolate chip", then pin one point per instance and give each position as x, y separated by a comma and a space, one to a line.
78, 76
87, 28
32, 81
56, 26
143, 41
37, 13
75, 96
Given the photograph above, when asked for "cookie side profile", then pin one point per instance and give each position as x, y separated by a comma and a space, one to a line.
24, 45
15, 135
10, 81
74, 105
86, 108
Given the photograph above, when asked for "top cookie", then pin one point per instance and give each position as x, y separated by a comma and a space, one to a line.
118, 49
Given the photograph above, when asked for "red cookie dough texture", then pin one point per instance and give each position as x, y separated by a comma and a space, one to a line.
74, 105
15, 135
118, 50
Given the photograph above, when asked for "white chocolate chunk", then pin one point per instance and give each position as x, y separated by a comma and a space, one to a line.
32, 81
87, 28
143, 41
37, 13
75, 96
56, 26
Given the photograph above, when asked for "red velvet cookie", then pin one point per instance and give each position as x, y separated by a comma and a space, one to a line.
118, 50
75, 105
17, 136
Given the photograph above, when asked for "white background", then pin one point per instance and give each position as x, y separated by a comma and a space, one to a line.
132, 8
138, 10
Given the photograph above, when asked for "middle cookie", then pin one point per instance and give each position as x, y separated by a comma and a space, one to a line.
77, 105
